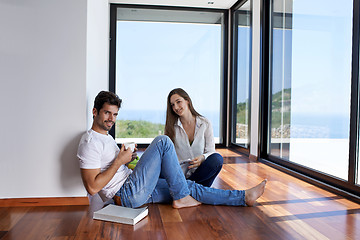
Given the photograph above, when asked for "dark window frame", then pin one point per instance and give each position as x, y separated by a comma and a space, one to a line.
233, 82
354, 105
224, 58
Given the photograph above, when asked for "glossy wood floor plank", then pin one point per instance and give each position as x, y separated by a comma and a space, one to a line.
10, 216
169, 214
289, 209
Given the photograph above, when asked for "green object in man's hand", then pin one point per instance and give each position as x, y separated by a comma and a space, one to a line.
133, 163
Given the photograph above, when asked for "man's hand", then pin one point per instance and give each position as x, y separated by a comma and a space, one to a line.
196, 162
124, 156
134, 155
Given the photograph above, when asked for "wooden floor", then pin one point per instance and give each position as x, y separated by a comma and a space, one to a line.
289, 209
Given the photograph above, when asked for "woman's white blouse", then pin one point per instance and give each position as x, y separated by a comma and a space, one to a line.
203, 143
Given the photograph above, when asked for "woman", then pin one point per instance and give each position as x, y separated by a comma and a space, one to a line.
192, 135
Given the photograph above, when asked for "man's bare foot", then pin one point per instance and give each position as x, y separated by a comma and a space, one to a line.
187, 201
254, 193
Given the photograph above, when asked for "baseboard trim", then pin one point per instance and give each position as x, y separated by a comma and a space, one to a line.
53, 201
253, 158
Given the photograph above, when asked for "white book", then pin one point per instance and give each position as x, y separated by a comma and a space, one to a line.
114, 213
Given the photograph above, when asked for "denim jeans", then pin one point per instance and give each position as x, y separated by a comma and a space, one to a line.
206, 173
144, 185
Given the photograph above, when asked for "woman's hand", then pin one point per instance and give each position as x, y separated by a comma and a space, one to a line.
196, 162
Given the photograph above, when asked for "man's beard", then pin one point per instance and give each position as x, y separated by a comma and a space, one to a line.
107, 128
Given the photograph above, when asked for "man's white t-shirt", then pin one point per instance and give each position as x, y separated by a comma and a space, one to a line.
97, 150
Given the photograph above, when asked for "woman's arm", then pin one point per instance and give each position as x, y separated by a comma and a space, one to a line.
209, 140
209, 146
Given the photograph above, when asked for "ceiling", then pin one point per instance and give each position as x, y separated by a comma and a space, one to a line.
220, 4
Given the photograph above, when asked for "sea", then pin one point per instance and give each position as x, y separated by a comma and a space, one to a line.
302, 125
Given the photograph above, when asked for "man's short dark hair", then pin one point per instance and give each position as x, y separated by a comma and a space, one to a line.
106, 97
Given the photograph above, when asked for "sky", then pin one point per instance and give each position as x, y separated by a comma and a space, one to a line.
156, 57
321, 57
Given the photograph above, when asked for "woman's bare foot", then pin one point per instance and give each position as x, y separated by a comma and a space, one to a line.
254, 193
187, 201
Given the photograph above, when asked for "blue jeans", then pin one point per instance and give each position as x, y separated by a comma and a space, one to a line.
144, 185
206, 173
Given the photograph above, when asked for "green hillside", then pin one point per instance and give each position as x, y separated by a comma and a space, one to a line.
137, 129
241, 112
281, 107
276, 104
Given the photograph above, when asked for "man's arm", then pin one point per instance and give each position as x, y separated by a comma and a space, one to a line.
94, 180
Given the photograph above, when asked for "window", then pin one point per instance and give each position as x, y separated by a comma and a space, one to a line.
357, 148
310, 84
241, 74
157, 50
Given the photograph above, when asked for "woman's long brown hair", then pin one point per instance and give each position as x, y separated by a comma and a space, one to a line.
171, 116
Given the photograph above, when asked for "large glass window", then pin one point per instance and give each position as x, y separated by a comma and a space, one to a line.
158, 50
241, 73
310, 83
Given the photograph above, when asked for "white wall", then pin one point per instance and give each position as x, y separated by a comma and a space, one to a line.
43, 95
255, 78
97, 61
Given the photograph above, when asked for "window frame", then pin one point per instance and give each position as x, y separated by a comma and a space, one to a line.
234, 82
355, 104
223, 60
313, 176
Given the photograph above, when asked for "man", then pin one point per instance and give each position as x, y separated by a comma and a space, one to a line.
103, 168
